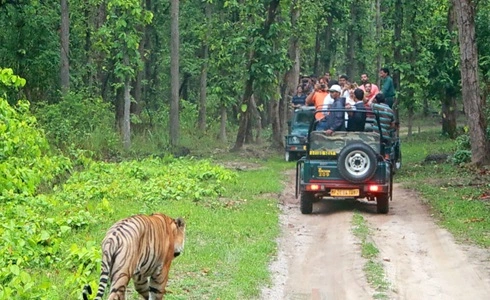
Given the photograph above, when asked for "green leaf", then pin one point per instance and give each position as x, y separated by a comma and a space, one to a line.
15, 270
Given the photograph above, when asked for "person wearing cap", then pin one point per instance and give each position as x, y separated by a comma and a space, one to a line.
335, 119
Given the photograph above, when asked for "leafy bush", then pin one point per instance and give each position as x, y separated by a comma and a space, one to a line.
25, 158
80, 122
461, 156
463, 142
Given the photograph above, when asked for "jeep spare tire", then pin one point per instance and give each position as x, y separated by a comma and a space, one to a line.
357, 162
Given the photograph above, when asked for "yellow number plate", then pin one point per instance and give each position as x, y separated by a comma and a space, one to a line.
304, 147
344, 193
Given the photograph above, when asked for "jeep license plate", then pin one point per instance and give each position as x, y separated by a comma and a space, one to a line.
344, 193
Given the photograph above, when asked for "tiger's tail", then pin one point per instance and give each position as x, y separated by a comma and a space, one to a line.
87, 290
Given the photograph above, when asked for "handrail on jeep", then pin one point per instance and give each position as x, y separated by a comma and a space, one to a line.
376, 114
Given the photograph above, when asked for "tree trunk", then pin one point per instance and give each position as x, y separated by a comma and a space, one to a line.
290, 80
126, 129
277, 132
150, 63
317, 50
448, 103
137, 105
379, 54
473, 102
410, 117
245, 116
329, 47
174, 73
397, 55
257, 120
276, 135
88, 77
65, 48
201, 119
184, 87
351, 70
449, 115
222, 126
249, 139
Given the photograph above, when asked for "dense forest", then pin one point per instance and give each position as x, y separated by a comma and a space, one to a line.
106, 75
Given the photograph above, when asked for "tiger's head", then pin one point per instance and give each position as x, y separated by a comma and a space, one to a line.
178, 230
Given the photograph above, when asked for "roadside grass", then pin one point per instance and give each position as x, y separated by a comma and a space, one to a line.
458, 195
229, 251
373, 268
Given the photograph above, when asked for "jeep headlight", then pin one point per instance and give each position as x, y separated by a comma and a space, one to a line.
294, 140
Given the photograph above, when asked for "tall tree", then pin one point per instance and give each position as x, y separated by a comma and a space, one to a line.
473, 102
201, 120
254, 60
290, 80
65, 47
174, 73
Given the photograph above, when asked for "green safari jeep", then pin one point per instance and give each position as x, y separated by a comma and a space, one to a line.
352, 165
295, 141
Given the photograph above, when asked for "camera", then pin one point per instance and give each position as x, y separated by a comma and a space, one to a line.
323, 86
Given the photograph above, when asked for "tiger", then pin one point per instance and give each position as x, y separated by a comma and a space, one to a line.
140, 247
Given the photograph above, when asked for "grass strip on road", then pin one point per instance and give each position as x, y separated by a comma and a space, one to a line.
373, 268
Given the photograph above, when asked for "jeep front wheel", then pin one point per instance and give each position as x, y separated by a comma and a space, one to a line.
382, 204
306, 203
357, 162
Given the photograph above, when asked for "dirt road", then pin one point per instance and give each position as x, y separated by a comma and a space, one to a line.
319, 257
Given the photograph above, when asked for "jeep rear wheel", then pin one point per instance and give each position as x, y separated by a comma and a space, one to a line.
306, 203
382, 204
357, 162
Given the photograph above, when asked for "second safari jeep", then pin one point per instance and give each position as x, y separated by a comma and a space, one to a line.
295, 141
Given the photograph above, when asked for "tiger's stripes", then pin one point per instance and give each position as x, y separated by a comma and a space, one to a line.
139, 247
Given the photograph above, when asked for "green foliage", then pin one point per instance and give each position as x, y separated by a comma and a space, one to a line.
463, 142
9, 79
32, 55
25, 160
461, 156
80, 122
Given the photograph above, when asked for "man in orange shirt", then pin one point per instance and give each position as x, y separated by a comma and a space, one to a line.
317, 98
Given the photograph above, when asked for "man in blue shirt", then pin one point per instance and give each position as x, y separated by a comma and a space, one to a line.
335, 119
